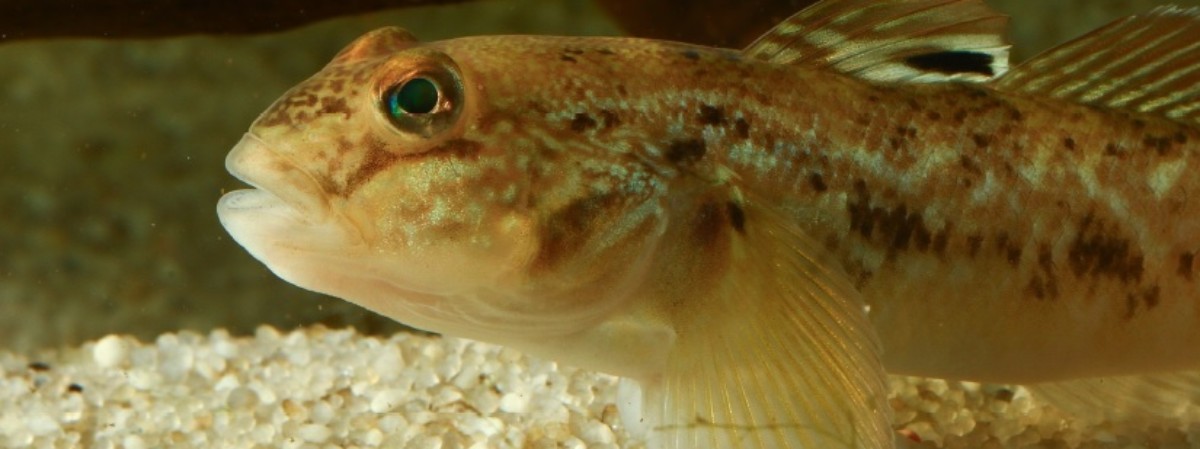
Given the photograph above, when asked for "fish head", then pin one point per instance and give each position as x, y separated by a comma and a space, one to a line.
402, 179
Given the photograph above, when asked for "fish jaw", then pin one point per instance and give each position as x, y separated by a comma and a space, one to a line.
285, 211
292, 226
284, 221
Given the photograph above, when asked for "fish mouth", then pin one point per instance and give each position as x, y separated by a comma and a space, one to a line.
287, 222
286, 215
275, 178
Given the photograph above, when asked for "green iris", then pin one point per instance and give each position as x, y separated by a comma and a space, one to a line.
415, 96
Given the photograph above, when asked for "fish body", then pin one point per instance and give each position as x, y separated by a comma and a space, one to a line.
714, 224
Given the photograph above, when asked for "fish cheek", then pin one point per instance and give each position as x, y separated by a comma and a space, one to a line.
594, 250
451, 244
566, 231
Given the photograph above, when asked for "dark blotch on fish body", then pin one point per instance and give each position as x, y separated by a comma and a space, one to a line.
737, 217
569, 54
1069, 143
711, 115
1148, 299
981, 140
1185, 264
742, 127
1044, 285
376, 160
941, 240
686, 151
582, 122
566, 230
1097, 252
970, 165
1009, 249
974, 242
817, 182
897, 228
1037, 287
952, 62
609, 118
335, 105
1160, 145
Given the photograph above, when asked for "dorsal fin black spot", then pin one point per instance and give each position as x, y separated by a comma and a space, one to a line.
952, 62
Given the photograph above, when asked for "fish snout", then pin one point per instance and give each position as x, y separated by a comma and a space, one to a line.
255, 162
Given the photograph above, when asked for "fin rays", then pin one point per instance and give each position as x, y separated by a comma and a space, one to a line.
1145, 64
778, 354
873, 40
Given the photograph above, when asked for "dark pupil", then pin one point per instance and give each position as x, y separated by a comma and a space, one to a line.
415, 96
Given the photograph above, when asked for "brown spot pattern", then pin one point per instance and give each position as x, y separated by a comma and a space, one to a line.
335, 105
582, 122
711, 115
1147, 299
974, 243
1099, 251
817, 182
1008, 248
897, 228
686, 151
742, 127
609, 118
981, 141
1044, 284
374, 161
1160, 145
737, 217
941, 239
566, 230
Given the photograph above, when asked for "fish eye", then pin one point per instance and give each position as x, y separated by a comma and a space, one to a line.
421, 98
416, 96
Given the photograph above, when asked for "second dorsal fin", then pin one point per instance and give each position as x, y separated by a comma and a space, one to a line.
894, 40
1146, 64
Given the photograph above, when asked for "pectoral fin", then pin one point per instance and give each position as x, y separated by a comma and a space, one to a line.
773, 349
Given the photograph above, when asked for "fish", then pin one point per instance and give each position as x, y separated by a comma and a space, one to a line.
754, 239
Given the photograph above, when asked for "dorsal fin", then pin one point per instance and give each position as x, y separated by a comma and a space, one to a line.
1147, 63
894, 40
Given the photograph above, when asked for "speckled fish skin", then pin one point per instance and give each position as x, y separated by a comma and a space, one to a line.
995, 235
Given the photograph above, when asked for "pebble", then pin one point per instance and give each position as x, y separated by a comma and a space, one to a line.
386, 401
110, 352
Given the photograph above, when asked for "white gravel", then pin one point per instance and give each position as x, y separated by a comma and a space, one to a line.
320, 388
